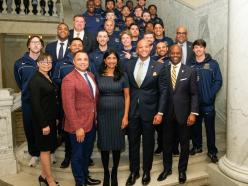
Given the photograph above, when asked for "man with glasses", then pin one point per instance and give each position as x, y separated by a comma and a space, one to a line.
24, 69
182, 40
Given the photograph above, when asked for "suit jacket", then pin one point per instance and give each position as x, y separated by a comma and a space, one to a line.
43, 101
150, 97
189, 53
88, 40
51, 49
184, 99
78, 102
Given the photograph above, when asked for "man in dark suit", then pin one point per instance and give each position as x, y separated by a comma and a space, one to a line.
80, 87
59, 49
182, 40
148, 87
79, 31
181, 111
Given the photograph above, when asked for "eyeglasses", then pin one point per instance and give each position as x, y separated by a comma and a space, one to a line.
181, 33
45, 62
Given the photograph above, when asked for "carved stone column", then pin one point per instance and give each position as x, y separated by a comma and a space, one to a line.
7, 157
235, 163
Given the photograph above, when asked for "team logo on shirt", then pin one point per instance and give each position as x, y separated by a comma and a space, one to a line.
206, 66
97, 19
117, 40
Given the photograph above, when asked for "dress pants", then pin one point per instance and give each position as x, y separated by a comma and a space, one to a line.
137, 127
80, 155
28, 129
171, 127
209, 120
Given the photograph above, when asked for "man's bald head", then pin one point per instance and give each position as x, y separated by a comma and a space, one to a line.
182, 34
175, 54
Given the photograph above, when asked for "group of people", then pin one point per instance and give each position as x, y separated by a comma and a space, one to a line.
116, 74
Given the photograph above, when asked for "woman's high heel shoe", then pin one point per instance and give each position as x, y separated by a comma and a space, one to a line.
43, 180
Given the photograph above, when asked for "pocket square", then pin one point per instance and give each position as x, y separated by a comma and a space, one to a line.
154, 74
183, 79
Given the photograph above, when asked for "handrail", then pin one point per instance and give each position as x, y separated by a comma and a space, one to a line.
51, 8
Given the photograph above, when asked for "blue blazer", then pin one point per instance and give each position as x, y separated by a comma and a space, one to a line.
51, 49
150, 97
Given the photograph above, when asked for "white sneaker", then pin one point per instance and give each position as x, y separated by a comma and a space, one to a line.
53, 158
33, 161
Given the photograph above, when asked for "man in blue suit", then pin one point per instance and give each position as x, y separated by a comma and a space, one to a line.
148, 87
59, 49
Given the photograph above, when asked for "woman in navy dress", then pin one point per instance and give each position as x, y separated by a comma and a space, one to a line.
113, 110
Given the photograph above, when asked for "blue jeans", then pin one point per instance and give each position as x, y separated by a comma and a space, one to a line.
209, 120
80, 155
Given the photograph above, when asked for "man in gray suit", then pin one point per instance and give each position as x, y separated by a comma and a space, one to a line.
180, 114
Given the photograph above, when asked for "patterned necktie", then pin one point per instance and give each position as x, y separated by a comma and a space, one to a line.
173, 76
78, 34
61, 51
181, 45
139, 74
89, 84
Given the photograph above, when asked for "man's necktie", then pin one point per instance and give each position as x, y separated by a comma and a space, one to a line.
181, 45
173, 77
61, 51
89, 84
78, 34
139, 74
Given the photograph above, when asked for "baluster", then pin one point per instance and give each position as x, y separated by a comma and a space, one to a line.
11, 6
4, 7
46, 8
22, 8
55, 13
38, 8
30, 8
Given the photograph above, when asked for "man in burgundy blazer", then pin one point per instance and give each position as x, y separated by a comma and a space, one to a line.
79, 98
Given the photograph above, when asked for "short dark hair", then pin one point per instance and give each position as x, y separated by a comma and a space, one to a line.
159, 23
109, 1
42, 56
152, 5
117, 72
33, 36
63, 23
77, 39
199, 42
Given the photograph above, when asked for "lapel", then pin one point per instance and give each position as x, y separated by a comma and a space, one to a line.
169, 72
84, 84
189, 51
132, 67
180, 74
149, 72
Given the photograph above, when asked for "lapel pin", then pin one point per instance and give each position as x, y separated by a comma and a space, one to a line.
154, 74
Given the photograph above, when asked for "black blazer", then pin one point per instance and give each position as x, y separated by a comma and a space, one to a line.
43, 101
184, 99
51, 49
88, 40
151, 96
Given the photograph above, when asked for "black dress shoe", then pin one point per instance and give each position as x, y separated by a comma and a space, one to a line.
182, 177
146, 178
65, 163
91, 181
164, 175
91, 162
213, 157
132, 179
194, 151
158, 151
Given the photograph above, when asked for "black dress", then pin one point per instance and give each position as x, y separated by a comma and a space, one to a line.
110, 112
43, 102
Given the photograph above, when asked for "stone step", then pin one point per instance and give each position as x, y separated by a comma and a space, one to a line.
196, 176
196, 169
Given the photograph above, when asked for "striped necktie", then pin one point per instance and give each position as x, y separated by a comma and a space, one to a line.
173, 76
